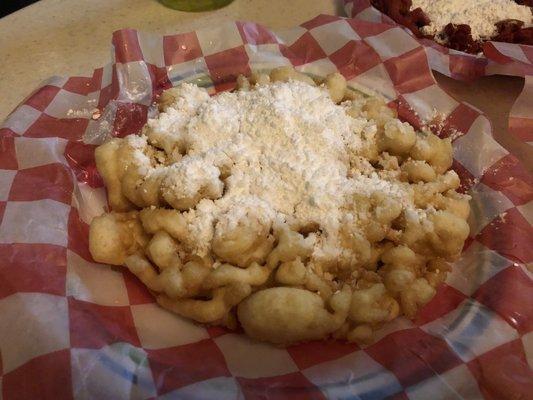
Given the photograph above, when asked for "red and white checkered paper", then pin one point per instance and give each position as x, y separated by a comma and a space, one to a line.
71, 328
498, 58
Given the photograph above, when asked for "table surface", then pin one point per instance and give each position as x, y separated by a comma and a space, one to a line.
65, 37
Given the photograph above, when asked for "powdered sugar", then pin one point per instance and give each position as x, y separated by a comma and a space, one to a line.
372, 183
481, 15
93, 113
278, 153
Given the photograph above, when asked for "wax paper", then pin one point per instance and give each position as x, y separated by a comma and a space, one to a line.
71, 328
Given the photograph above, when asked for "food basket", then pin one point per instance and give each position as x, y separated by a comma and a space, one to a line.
498, 58
72, 328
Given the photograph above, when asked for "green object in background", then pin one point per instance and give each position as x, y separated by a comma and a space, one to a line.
195, 5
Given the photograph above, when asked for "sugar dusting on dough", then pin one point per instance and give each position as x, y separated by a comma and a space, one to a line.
481, 15
283, 152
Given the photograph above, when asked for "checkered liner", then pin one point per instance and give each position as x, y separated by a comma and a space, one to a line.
498, 59
74, 329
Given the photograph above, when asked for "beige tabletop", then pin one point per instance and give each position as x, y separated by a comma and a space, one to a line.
65, 37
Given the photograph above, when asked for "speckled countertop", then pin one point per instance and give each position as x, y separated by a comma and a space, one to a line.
65, 37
